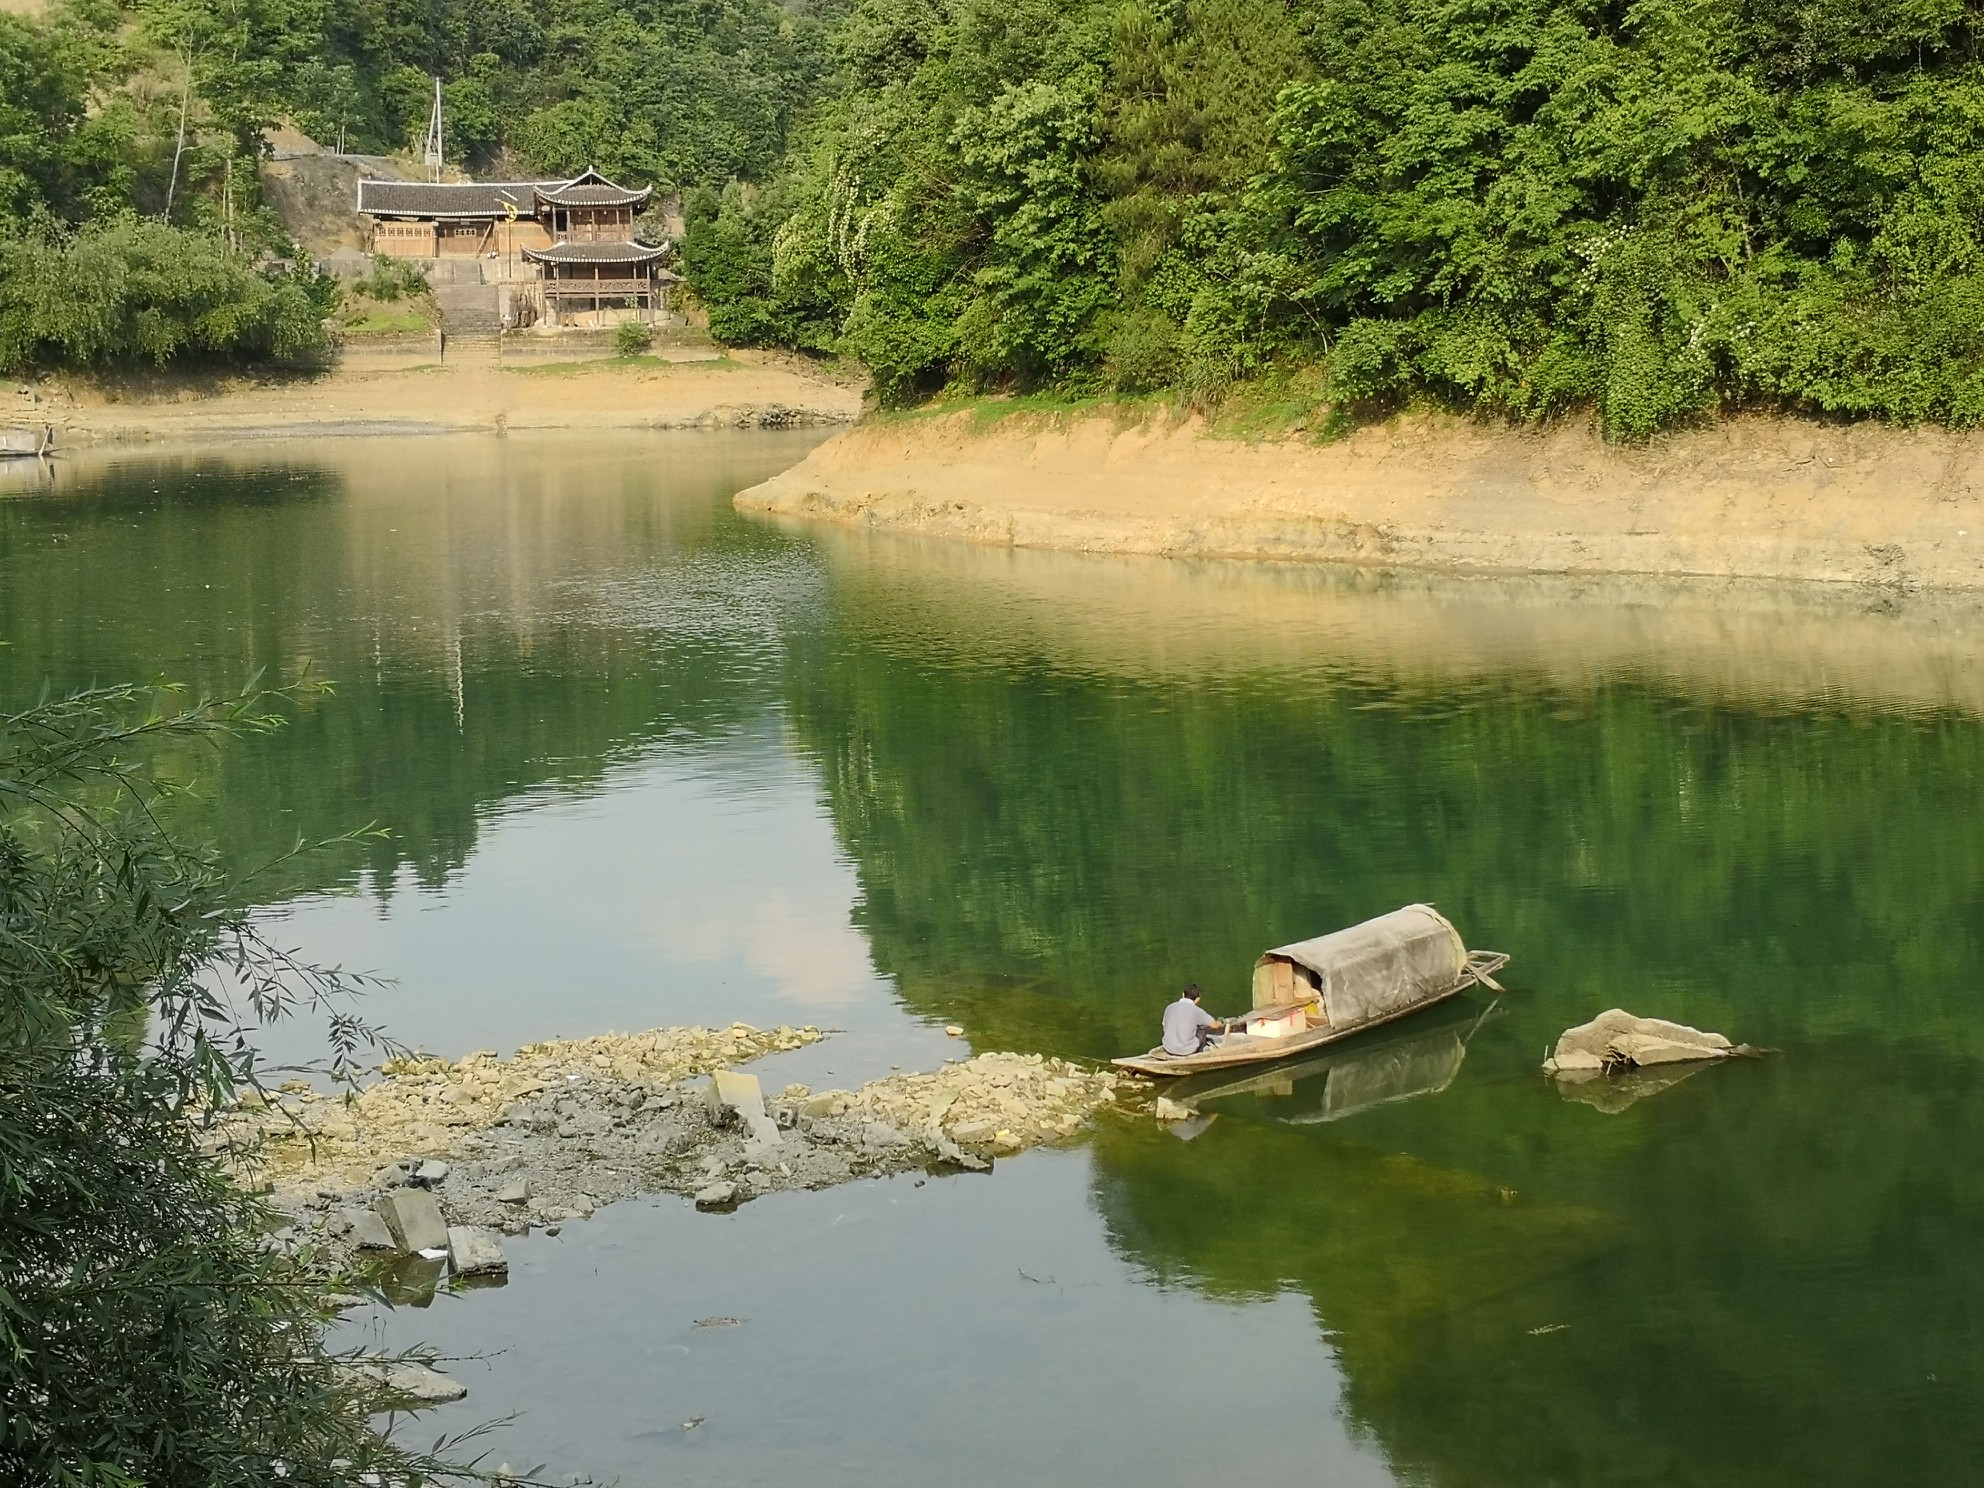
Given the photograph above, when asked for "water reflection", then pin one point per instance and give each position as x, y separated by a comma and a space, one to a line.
1420, 1057
1763, 645
1117, 778
648, 762
560, 658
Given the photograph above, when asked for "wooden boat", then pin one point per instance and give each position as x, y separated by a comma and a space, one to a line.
1317, 992
1401, 1061
17, 443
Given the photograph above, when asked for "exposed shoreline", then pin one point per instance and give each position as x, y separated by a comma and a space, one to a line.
562, 1127
412, 394
1751, 498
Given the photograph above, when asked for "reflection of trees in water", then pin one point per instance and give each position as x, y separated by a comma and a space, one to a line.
1075, 848
471, 653
1757, 1270
1750, 1284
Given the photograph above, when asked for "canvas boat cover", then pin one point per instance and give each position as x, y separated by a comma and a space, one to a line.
1382, 967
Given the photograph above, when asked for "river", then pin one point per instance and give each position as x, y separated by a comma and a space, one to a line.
644, 761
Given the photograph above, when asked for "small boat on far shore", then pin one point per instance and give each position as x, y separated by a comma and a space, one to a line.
18, 443
1316, 992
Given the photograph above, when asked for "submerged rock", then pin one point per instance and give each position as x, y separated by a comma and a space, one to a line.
1617, 1040
414, 1219
473, 1251
1612, 1091
413, 1384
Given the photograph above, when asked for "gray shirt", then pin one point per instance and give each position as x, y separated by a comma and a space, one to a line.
1182, 1022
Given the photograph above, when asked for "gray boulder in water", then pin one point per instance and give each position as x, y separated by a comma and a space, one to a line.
1618, 1040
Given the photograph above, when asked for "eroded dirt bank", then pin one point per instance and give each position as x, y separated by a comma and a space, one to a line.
1748, 498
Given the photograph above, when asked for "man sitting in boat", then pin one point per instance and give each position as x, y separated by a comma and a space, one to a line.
1188, 1028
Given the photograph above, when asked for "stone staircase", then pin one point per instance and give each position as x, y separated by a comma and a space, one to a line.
469, 310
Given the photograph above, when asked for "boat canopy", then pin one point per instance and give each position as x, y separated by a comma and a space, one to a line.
1369, 972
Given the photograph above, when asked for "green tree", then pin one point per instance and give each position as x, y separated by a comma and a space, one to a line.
133, 292
148, 1336
1659, 209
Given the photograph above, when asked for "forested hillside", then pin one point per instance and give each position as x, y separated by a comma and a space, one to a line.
131, 223
1656, 209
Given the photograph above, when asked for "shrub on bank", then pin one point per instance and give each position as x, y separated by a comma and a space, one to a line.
147, 1335
631, 338
140, 293
394, 279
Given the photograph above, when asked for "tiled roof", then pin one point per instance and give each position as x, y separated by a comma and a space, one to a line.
493, 198
596, 253
605, 195
451, 198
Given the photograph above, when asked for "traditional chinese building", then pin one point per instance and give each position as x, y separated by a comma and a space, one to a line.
446, 219
578, 234
581, 279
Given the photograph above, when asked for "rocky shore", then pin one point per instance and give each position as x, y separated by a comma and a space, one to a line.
437, 1160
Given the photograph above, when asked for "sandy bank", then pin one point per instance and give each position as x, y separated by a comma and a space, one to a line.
1749, 498
471, 395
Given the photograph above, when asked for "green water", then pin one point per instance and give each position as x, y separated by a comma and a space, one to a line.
647, 762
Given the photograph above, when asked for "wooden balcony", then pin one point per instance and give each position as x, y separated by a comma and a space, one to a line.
605, 289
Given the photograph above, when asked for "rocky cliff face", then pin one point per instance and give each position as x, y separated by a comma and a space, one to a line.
315, 196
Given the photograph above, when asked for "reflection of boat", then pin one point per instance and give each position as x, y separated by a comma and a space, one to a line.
17, 443
1395, 1064
1319, 991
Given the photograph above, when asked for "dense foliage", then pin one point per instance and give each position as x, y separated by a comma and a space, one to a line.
130, 229
656, 91
112, 110
1657, 208
135, 291
147, 1336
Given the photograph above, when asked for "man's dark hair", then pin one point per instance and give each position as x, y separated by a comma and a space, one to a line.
1192, 991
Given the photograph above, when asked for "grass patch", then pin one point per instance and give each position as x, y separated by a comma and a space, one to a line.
619, 364
365, 316
1274, 408
988, 410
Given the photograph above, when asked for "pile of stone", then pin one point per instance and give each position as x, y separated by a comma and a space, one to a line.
563, 1146
425, 1106
992, 1104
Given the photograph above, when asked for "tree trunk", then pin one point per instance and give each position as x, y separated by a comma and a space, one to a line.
179, 145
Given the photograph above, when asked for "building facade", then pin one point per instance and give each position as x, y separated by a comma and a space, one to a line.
574, 239
479, 219
582, 283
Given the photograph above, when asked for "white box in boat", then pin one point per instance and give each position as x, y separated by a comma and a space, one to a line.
1278, 1023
